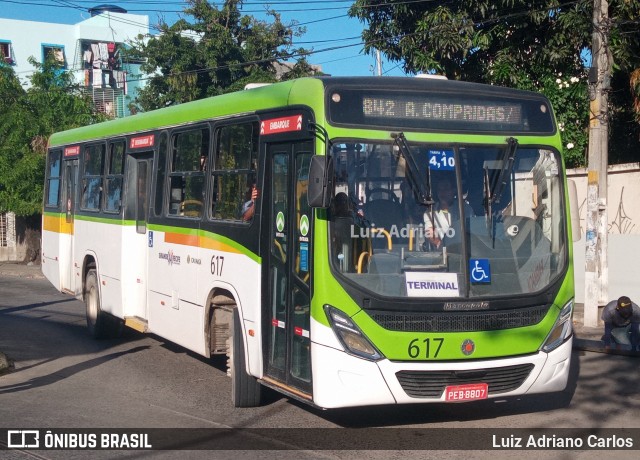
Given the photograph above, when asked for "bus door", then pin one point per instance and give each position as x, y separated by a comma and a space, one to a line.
286, 223
67, 280
138, 256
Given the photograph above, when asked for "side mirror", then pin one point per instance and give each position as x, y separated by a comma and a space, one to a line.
320, 181
574, 208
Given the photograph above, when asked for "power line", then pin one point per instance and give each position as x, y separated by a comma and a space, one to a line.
314, 52
242, 9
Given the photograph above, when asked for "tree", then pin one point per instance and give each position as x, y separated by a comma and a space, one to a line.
220, 51
538, 45
52, 103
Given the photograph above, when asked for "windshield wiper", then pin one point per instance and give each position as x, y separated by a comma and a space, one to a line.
421, 188
492, 195
507, 165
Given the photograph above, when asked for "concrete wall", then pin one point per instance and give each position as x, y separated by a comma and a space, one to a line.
623, 206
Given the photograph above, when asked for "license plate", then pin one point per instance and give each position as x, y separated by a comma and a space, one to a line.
471, 392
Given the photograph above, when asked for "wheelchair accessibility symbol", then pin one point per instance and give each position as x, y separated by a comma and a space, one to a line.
480, 270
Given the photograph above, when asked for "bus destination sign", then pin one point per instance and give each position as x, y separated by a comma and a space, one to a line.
434, 109
440, 111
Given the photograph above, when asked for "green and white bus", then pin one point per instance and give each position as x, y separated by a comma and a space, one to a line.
332, 282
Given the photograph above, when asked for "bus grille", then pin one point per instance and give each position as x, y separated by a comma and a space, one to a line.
459, 321
431, 384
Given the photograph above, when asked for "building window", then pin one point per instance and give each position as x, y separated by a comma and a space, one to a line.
55, 53
6, 55
102, 63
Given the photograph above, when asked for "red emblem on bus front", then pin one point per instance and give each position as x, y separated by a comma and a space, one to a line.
468, 347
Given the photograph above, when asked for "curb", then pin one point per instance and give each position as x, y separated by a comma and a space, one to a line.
21, 271
598, 347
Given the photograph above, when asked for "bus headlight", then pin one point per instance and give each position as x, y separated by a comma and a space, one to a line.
350, 335
561, 330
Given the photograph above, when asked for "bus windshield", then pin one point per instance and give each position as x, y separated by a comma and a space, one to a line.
493, 224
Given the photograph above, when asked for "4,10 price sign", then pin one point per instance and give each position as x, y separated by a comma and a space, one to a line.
442, 160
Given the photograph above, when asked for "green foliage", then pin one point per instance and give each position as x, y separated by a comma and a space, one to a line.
52, 103
570, 99
218, 51
527, 44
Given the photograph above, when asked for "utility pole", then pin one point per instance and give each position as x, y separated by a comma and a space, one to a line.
596, 266
379, 62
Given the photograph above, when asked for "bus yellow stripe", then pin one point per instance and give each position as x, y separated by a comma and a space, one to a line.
57, 224
179, 238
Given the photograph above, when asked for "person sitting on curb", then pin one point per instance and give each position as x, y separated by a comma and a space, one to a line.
621, 323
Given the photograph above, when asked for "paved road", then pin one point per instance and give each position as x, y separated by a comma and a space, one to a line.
65, 379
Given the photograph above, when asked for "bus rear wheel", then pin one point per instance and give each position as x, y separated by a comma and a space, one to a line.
246, 391
99, 324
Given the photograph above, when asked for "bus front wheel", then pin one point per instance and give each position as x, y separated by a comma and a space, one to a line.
246, 391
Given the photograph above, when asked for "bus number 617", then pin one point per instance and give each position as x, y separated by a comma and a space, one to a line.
417, 349
217, 262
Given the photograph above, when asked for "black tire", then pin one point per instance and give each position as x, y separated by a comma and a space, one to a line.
246, 391
99, 324
96, 320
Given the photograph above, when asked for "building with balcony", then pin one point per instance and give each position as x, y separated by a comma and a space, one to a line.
94, 49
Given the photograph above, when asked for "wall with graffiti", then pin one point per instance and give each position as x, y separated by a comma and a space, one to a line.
622, 203
623, 209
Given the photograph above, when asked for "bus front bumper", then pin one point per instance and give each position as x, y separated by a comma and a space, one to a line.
342, 380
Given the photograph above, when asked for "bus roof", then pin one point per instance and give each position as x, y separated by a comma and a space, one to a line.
271, 96
276, 95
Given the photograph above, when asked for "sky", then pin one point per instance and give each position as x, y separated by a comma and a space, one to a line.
326, 21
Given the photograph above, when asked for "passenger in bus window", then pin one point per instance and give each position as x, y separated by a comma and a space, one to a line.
621, 323
248, 208
445, 213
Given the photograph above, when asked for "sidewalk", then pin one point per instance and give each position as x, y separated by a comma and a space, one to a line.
586, 338
21, 270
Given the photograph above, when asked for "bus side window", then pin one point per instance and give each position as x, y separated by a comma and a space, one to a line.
234, 175
115, 177
160, 174
54, 171
190, 150
93, 164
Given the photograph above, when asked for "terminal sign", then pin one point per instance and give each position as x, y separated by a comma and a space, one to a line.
281, 125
